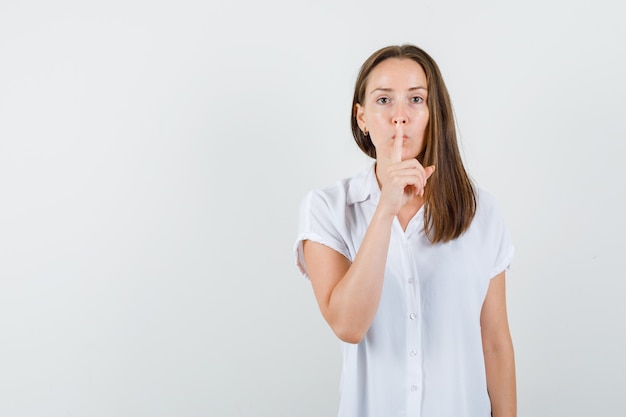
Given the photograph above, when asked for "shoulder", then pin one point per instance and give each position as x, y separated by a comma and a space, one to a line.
486, 203
490, 219
489, 212
490, 229
328, 215
344, 192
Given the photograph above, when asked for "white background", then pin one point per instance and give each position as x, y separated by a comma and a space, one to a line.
153, 156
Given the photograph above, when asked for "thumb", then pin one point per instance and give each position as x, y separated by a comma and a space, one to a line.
429, 171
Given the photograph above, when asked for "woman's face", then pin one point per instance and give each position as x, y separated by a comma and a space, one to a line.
395, 94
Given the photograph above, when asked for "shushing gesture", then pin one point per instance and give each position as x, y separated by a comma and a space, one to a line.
401, 180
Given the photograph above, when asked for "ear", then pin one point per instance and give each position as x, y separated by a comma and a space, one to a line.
360, 116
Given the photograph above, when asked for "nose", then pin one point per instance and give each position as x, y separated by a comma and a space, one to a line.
399, 120
399, 116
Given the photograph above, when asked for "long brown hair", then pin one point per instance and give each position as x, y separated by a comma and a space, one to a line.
449, 197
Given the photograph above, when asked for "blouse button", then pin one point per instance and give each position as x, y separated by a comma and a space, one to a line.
412, 316
413, 353
414, 388
411, 280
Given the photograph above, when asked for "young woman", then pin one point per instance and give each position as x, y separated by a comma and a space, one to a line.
407, 259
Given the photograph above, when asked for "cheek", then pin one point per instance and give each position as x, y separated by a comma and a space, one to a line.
424, 117
378, 116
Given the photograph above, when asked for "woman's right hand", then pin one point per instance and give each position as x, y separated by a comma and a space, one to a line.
402, 180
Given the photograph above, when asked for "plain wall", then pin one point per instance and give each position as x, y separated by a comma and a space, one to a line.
153, 156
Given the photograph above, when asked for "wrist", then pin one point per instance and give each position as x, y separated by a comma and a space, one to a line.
383, 215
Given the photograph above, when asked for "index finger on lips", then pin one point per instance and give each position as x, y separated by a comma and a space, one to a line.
396, 154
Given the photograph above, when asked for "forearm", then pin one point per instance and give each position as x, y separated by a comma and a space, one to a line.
354, 301
500, 367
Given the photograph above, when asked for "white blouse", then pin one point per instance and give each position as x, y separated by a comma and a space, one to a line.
422, 355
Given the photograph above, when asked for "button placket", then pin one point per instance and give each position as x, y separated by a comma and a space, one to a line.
414, 325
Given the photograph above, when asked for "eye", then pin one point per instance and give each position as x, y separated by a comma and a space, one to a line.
417, 99
383, 100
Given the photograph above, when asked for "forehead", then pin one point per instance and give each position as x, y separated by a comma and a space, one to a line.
396, 73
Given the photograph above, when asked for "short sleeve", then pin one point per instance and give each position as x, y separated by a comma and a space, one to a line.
503, 249
318, 223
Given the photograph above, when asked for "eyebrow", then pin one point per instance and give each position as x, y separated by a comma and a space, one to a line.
387, 90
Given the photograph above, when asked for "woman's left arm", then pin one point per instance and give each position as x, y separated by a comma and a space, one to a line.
498, 350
